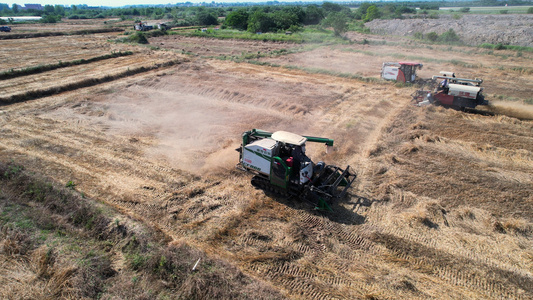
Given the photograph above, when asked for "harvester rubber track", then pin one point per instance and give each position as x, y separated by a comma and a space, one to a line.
264, 184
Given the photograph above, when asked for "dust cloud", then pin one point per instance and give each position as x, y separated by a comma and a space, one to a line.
189, 129
195, 132
512, 109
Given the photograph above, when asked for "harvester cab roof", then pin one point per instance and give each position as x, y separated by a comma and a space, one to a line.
289, 138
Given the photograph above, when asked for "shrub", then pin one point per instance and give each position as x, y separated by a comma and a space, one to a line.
50, 19
432, 36
465, 9
138, 37
530, 10
504, 11
155, 33
499, 46
449, 36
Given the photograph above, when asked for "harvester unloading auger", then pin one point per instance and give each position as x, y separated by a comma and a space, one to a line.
279, 164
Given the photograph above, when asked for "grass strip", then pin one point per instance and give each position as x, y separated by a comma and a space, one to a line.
44, 68
235, 35
36, 94
58, 33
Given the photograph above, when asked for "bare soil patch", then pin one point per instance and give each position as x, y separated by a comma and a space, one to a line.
508, 29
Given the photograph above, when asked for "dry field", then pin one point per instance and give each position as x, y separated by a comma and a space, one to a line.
23, 53
443, 204
68, 26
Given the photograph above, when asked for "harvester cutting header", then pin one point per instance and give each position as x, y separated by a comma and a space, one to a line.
279, 163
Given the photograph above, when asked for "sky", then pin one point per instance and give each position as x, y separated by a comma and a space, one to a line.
117, 3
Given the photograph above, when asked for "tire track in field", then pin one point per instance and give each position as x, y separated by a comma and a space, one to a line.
460, 252
319, 282
485, 279
458, 271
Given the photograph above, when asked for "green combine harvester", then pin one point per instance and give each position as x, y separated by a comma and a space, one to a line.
280, 165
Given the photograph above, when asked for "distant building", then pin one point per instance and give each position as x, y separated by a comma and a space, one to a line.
32, 6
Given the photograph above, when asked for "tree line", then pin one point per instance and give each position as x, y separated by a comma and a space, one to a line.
257, 18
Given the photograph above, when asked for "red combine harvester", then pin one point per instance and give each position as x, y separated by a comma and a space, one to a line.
400, 71
453, 92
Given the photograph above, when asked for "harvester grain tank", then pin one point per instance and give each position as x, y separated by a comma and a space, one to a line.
279, 164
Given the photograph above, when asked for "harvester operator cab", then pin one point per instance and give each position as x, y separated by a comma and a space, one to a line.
292, 152
447, 79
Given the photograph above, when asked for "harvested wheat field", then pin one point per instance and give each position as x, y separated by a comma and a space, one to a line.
442, 207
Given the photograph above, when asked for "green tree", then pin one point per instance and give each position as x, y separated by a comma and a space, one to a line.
283, 20
48, 9
15, 8
313, 15
331, 7
372, 13
238, 19
59, 10
339, 22
361, 11
296, 11
260, 22
4, 7
205, 18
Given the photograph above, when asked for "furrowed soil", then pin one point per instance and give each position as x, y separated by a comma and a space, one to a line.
442, 206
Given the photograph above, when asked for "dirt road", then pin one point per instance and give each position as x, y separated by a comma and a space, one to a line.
442, 207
